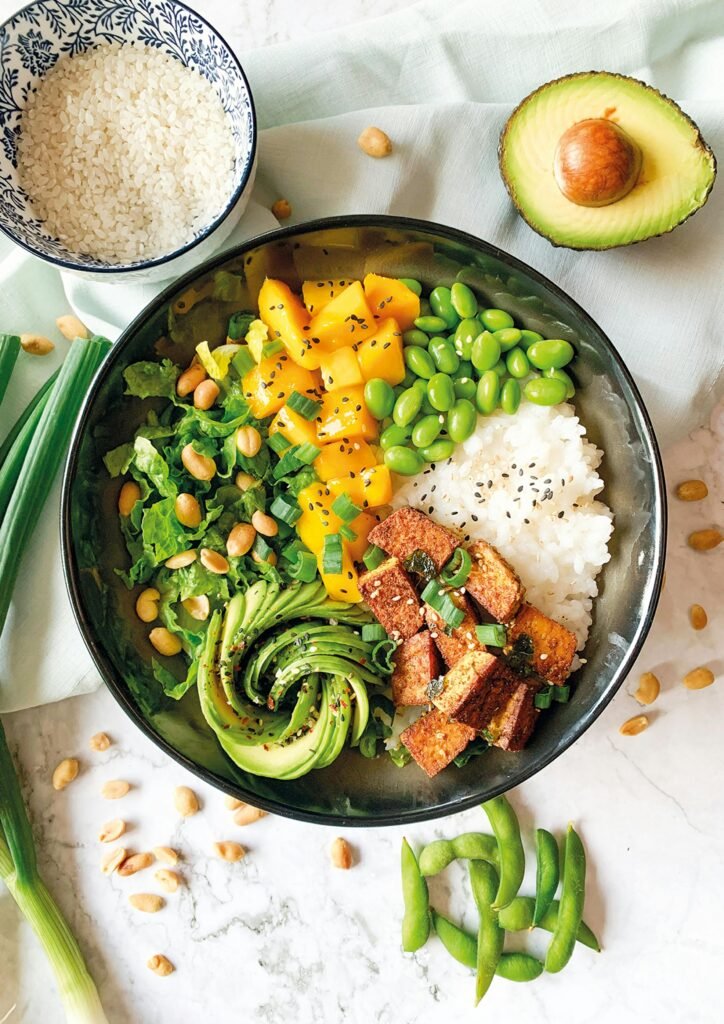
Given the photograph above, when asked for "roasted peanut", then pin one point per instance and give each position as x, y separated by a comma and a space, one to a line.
71, 327
232, 804
692, 490
244, 481
698, 678
704, 540
66, 771
165, 854
112, 860
205, 394
240, 539
36, 344
282, 209
341, 854
197, 607
199, 466
213, 561
185, 801
127, 497
147, 604
374, 142
633, 726
188, 510
229, 851
111, 831
181, 560
147, 902
248, 441
247, 815
101, 741
160, 965
264, 524
115, 789
168, 880
165, 642
648, 689
136, 862
190, 379
698, 616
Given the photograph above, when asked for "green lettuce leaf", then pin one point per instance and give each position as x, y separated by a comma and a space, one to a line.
148, 379
150, 462
117, 460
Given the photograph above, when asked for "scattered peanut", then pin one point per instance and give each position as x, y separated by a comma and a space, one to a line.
181, 560
190, 379
71, 327
165, 854
282, 209
698, 616
698, 678
213, 561
634, 725
111, 831
271, 558
167, 879
147, 604
199, 466
66, 771
240, 539
229, 851
136, 862
648, 689
112, 860
147, 902
165, 642
115, 789
36, 344
161, 965
247, 815
205, 394
264, 524
188, 510
374, 142
232, 804
127, 497
248, 441
244, 481
100, 741
704, 540
341, 853
692, 490
185, 801
197, 607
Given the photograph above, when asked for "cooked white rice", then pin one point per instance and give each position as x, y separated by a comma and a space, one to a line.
125, 153
527, 484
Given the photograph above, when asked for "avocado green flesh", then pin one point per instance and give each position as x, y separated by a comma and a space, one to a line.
676, 176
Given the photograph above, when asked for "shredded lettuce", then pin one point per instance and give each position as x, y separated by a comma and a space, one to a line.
152, 379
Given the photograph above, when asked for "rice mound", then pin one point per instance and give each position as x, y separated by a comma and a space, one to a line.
527, 484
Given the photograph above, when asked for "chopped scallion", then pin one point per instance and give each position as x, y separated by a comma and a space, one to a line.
347, 532
438, 598
373, 631
457, 570
332, 554
303, 567
304, 405
561, 694
543, 699
288, 463
270, 348
307, 453
345, 508
278, 443
243, 361
491, 633
373, 556
285, 509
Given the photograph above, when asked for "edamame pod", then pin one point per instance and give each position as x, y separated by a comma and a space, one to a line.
430, 324
465, 387
561, 375
518, 915
379, 398
463, 947
438, 451
570, 912
444, 355
419, 362
508, 338
547, 872
485, 352
553, 354
394, 435
510, 397
416, 922
407, 406
504, 823
462, 418
584, 934
465, 334
545, 391
402, 460
441, 303
519, 967
517, 363
426, 430
415, 337
483, 883
436, 856
496, 319
412, 284
486, 396
463, 299
441, 392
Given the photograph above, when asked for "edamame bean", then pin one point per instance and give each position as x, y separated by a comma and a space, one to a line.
415, 337
465, 334
570, 913
419, 361
416, 922
500, 368
504, 823
483, 883
379, 397
444, 355
517, 363
425, 307
547, 872
465, 387
518, 915
421, 386
486, 395
436, 856
465, 369
441, 392
463, 947
394, 435
496, 319
562, 375
407, 406
519, 967
408, 380
485, 352
553, 354
426, 431
463, 299
430, 324
545, 391
510, 397
508, 338
529, 338
412, 284
461, 419
427, 408
438, 451
441, 302
405, 461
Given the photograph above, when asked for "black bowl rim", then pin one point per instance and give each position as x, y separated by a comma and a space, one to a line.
141, 267
103, 663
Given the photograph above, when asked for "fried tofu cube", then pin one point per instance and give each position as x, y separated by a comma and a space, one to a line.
473, 690
434, 741
513, 725
493, 583
461, 640
417, 663
408, 530
553, 645
390, 594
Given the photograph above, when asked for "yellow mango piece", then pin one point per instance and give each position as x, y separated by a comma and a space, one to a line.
361, 526
346, 319
341, 457
340, 369
316, 521
389, 297
188, 299
342, 586
294, 427
287, 319
370, 488
318, 294
344, 415
381, 355
267, 386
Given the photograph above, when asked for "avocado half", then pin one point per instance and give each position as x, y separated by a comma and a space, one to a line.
623, 127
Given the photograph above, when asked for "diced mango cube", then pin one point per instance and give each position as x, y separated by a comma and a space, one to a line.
316, 522
370, 488
294, 427
343, 321
340, 369
342, 586
387, 296
287, 319
318, 294
344, 415
267, 386
341, 457
381, 355
361, 526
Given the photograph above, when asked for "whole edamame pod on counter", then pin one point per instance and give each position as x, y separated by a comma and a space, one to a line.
463, 947
570, 911
436, 856
416, 920
483, 883
547, 872
504, 823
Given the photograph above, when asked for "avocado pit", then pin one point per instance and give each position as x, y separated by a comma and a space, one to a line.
596, 163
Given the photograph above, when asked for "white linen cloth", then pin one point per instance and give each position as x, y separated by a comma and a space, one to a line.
440, 79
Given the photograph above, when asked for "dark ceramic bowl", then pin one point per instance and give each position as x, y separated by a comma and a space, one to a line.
355, 791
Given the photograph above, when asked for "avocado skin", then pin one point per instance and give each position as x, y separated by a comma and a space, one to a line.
700, 143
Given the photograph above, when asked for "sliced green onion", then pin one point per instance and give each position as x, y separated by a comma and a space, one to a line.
438, 598
373, 556
12, 463
561, 694
347, 532
345, 508
286, 509
288, 463
243, 361
270, 348
278, 443
543, 699
307, 453
457, 570
433, 592
491, 633
304, 405
239, 324
332, 554
382, 657
373, 631
9, 351
39, 398
303, 566
261, 548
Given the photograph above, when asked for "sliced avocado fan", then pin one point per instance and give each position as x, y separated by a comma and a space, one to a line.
597, 160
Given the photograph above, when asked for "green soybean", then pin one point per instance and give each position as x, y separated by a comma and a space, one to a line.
444, 355
547, 872
529, 338
407, 406
415, 337
500, 368
421, 386
408, 380
496, 319
518, 915
463, 947
425, 307
570, 912
379, 397
517, 363
504, 823
508, 338
441, 302
465, 387
441, 392
485, 352
486, 395
483, 882
545, 391
465, 369
426, 431
427, 408
461, 419
510, 397
430, 324
551, 355
412, 284
416, 922
438, 451
394, 435
563, 376
463, 299
402, 460
465, 334
436, 856
419, 361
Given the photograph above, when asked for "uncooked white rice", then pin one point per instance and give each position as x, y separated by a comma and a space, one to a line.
125, 153
527, 484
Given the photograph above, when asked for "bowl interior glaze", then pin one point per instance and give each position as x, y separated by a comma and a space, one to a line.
355, 791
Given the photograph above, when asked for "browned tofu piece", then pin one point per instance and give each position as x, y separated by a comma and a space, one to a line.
493, 582
408, 530
434, 741
473, 690
416, 664
553, 644
459, 641
390, 594
512, 726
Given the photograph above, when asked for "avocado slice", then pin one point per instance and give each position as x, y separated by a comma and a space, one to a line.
635, 165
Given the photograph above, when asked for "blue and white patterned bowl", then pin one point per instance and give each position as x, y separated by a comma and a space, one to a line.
38, 35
